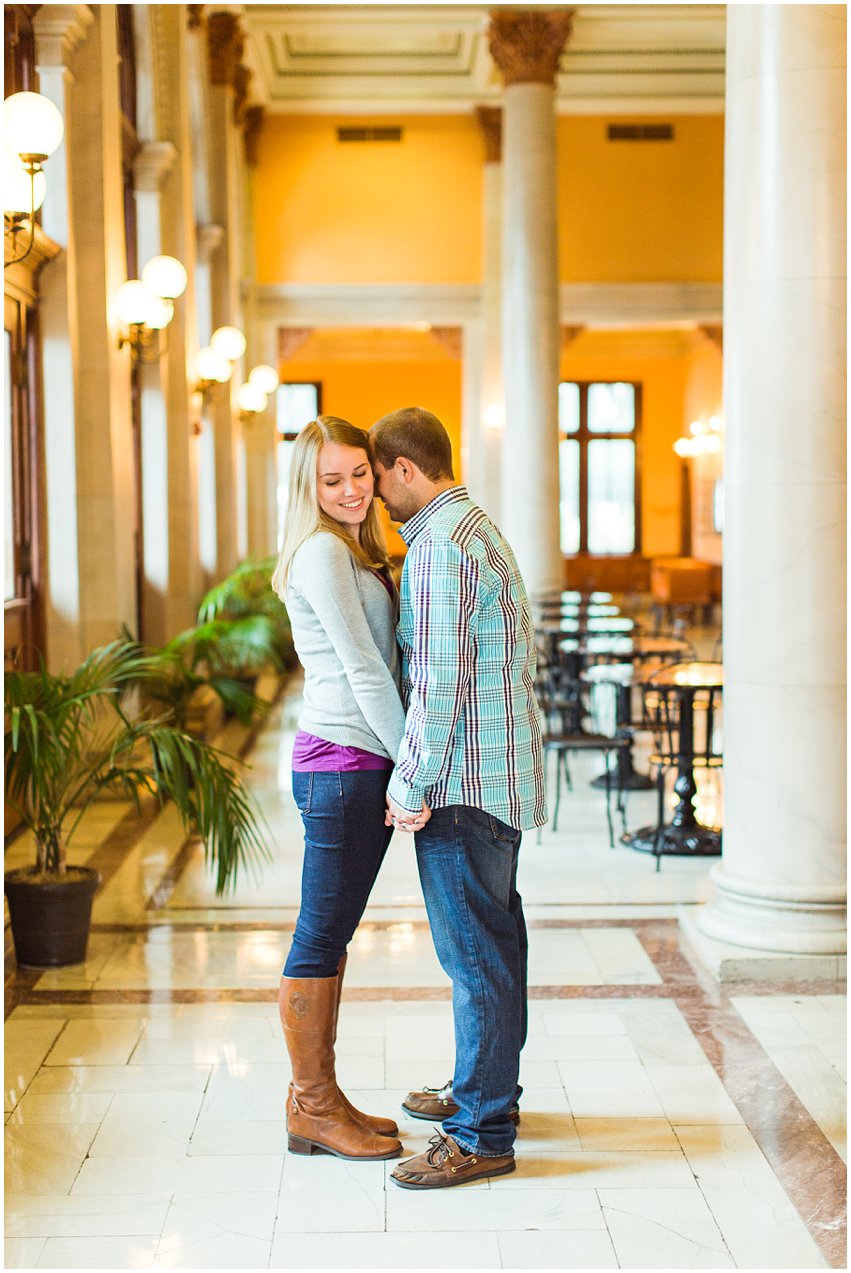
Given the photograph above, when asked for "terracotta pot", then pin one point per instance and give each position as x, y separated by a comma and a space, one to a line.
51, 917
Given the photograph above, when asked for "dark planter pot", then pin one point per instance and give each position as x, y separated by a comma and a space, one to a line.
51, 919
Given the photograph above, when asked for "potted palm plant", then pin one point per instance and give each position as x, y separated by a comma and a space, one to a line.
68, 739
242, 631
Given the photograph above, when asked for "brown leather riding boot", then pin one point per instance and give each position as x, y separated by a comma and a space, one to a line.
372, 1122
317, 1119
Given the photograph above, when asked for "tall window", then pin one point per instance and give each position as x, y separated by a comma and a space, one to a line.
298, 402
599, 426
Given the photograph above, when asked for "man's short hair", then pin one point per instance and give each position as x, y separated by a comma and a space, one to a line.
413, 433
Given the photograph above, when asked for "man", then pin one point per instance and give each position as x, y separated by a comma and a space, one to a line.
468, 779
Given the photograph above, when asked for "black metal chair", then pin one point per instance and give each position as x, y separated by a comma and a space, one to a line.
660, 716
563, 708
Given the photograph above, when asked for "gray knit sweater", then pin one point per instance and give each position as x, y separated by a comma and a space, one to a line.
343, 624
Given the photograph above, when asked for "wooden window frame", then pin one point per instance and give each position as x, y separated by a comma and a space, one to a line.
583, 435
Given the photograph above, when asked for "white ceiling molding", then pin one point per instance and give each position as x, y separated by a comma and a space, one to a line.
433, 59
595, 305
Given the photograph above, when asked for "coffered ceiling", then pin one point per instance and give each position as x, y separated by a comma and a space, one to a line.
380, 59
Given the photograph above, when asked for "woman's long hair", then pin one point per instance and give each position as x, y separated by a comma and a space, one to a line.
304, 516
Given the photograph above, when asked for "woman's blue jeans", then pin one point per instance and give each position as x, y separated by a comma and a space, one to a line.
467, 861
345, 840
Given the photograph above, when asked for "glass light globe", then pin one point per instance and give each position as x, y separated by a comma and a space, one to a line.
211, 365
683, 447
16, 187
133, 303
696, 428
165, 276
32, 125
716, 424
251, 397
161, 313
264, 377
712, 442
229, 342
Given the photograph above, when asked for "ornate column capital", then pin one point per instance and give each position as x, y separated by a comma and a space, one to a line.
59, 29
153, 164
207, 240
252, 122
527, 45
194, 16
225, 42
490, 122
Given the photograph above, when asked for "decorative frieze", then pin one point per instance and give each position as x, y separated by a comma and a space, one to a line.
527, 46
490, 122
252, 122
225, 42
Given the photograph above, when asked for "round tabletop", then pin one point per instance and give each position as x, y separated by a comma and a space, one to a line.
694, 676
624, 647
547, 595
611, 626
610, 674
571, 609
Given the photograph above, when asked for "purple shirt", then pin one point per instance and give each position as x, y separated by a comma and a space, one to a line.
318, 756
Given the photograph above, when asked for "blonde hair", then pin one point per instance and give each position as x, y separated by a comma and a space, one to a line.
304, 516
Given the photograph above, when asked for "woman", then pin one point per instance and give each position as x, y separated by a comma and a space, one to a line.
333, 575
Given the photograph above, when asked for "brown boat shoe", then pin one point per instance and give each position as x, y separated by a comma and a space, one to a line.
436, 1103
445, 1164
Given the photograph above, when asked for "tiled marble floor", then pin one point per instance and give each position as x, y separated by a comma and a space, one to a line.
665, 1124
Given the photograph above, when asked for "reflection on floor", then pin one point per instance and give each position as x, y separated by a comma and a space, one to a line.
665, 1123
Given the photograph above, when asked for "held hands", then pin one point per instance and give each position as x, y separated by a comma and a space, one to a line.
403, 819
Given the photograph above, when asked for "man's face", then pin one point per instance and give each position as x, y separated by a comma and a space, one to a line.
394, 494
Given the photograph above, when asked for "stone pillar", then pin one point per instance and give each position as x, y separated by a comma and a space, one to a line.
491, 413
526, 47
208, 239
59, 30
780, 883
103, 454
225, 45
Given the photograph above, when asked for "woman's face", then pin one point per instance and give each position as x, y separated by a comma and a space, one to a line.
344, 484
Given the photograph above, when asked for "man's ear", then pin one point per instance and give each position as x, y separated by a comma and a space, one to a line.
406, 468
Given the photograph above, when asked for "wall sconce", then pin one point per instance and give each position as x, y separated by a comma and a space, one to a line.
214, 363
33, 129
253, 396
145, 307
704, 438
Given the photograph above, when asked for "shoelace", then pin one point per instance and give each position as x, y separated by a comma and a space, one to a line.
439, 1149
437, 1091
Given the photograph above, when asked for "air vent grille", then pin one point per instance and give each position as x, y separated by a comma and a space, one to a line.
369, 134
641, 132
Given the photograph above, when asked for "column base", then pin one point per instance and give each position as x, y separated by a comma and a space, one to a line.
729, 963
779, 917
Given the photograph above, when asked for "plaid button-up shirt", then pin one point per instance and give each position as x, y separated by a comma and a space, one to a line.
473, 729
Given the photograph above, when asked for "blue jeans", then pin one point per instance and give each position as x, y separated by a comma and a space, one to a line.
345, 840
467, 861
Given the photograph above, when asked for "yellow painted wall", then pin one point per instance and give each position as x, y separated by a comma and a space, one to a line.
641, 211
411, 212
607, 356
369, 212
703, 398
361, 392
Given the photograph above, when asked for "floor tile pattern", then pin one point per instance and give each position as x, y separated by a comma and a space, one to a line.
665, 1123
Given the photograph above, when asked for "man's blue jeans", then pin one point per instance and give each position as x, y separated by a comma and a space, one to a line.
467, 861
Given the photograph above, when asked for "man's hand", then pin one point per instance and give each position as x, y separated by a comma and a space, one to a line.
403, 819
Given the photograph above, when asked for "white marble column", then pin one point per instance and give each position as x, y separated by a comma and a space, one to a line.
103, 457
526, 47
225, 44
781, 882
486, 444
59, 30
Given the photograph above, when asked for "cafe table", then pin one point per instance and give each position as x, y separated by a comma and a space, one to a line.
683, 836
546, 595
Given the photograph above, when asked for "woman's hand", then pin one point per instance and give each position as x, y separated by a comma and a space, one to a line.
403, 819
